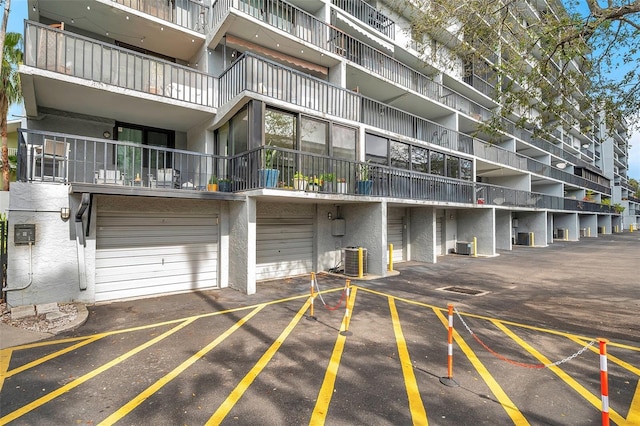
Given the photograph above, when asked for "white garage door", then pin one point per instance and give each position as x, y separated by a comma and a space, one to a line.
395, 235
284, 247
153, 253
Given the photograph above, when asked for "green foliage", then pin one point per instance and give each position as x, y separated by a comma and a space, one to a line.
213, 179
532, 63
328, 177
619, 208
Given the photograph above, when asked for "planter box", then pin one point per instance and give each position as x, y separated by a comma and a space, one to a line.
341, 187
364, 187
299, 184
268, 177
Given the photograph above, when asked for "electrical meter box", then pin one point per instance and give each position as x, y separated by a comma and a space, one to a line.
24, 234
338, 227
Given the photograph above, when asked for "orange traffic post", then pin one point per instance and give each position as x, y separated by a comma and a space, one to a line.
313, 296
448, 381
604, 381
346, 331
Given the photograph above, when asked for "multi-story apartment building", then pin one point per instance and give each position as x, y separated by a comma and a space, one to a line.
319, 122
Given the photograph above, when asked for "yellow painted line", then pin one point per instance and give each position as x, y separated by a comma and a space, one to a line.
142, 396
416, 406
633, 415
69, 386
49, 357
235, 395
5, 359
610, 358
508, 405
582, 391
163, 323
511, 323
321, 408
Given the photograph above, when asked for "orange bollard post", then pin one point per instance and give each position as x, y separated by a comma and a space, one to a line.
346, 331
604, 381
448, 381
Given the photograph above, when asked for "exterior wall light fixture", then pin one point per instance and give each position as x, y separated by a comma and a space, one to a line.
65, 213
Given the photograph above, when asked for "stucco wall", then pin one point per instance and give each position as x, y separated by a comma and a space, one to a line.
53, 257
423, 234
365, 223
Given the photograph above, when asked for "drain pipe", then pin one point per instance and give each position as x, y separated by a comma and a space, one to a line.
80, 241
30, 272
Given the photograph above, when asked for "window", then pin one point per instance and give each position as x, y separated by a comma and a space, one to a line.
376, 149
136, 162
279, 129
420, 159
343, 142
466, 169
399, 153
453, 167
436, 162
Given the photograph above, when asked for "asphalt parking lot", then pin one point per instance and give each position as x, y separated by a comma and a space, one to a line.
221, 357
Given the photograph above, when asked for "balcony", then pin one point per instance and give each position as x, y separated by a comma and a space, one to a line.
268, 78
67, 69
369, 15
190, 14
173, 28
120, 167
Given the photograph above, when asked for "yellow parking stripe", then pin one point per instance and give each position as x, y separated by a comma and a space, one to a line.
326, 390
511, 323
142, 396
244, 384
46, 358
610, 357
5, 359
595, 400
66, 388
513, 412
416, 406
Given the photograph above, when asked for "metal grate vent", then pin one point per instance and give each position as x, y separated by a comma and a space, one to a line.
463, 290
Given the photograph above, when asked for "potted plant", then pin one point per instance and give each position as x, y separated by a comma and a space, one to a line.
314, 184
364, 183
341, 186
269, 175
327, 181
300, 181
224, 185
213, 184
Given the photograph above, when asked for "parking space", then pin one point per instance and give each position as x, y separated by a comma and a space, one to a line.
268, 363
525, 349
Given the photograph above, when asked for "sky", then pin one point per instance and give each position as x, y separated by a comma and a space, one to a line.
19, 14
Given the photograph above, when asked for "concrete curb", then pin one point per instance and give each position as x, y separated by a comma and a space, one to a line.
11, 336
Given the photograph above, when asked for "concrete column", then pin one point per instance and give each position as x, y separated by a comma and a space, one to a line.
366, 225
478, 223
503, 230
242, 245
422, 222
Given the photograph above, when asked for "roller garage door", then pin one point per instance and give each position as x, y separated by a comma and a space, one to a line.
284, 247
153, 253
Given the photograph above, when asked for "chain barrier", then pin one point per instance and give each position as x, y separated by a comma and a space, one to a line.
329, 308
521, 364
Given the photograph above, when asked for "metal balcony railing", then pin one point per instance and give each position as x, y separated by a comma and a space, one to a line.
57, 157
64, 158
310, 29
190, 14
369, 15
63, 52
